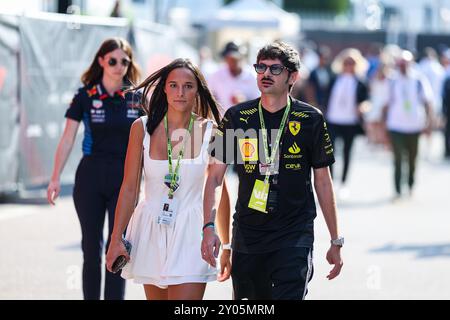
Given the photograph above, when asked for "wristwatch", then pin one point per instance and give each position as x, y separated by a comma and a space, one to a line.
226, 246
338, 242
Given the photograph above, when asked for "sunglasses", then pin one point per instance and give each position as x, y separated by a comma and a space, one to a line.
113, 61
349, 63
275, 69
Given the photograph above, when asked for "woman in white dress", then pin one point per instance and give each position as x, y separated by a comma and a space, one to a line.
165, 230
379, 88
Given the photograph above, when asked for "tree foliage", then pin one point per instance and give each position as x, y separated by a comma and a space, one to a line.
327, 6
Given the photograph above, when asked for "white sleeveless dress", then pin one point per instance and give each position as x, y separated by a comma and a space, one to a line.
162, 255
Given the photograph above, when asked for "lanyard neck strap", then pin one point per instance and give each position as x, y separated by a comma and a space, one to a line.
270, 159
174, 174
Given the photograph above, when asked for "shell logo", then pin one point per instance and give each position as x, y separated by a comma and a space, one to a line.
249, 149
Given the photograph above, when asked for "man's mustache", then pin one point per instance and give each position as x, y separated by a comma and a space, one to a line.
267, 79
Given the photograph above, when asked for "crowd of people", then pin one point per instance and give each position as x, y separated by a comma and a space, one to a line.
362, 95
389, 95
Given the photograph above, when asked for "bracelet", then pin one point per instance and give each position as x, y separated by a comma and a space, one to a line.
226, 246
209, 224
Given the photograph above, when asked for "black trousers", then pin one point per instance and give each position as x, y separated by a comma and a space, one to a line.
347, 133
404, 144
447, 137
96, 190
279, 275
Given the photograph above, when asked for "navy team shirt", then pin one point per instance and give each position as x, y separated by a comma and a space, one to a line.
107, 119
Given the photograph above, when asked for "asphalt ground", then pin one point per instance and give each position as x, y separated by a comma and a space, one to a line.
393, 249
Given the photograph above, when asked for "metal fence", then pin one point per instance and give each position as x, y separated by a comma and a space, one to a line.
41, 61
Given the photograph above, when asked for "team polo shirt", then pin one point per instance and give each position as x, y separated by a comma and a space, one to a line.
305, 144
107, 119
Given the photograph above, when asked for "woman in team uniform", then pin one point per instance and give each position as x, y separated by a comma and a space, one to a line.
107, 114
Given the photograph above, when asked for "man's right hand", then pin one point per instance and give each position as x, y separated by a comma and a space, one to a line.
53, 191
210, 246
225, 266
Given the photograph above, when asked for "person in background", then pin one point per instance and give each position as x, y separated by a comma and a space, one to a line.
373, 117
446, 103
107, 114
373, 59
432, 69
408, 114
348, 92
234, 81
319, 80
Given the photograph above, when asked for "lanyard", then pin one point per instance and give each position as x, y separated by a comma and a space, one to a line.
406, 94
174, 174
270, 159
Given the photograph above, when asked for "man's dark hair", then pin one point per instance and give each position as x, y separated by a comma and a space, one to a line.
288, 56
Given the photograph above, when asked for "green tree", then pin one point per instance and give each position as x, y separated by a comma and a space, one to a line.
326, 6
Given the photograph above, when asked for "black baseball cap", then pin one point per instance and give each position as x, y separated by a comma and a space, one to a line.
231, 49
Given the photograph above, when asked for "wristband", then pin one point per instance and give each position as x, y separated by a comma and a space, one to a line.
208, 225
226, 246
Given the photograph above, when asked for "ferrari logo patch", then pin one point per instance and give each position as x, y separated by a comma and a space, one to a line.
294, 127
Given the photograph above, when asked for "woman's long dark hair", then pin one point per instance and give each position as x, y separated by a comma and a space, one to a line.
206, 106
95, 72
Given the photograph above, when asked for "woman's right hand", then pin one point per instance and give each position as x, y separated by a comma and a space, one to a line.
210, 246
116, 249
53, 189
